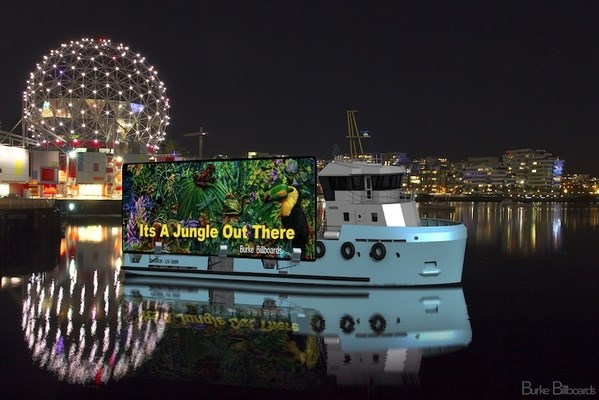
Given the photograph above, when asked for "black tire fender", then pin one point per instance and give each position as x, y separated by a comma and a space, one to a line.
378, 324
347, 324
320, 249
378, 251
347, 250
317, 323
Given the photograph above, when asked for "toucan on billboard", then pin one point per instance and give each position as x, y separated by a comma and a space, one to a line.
258, 207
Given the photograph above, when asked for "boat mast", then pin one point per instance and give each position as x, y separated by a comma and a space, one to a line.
353, 135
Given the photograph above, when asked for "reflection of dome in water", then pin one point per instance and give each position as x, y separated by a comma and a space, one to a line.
94, 93
77, 329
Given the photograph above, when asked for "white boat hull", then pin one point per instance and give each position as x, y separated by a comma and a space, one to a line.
413, 256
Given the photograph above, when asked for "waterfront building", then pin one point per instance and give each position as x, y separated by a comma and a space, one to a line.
594, 184
394, 158
455, 177
89, 106
534, 171
579, 185
428, 175
256, 154
485, 175
14, 169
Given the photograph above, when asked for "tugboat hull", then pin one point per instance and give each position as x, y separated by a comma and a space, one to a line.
361, 256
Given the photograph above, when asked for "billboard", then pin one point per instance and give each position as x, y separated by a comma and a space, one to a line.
257, 208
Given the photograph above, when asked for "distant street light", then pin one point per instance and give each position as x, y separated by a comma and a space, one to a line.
200, 134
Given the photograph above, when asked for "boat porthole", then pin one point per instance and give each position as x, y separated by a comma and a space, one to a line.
320, 249
317, 323
397, 254
347, 250
415, 237
377, 323
347, 324
378, 251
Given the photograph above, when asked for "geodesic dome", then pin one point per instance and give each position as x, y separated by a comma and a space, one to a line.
94, 93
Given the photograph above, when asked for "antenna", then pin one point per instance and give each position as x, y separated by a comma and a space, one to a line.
353, 135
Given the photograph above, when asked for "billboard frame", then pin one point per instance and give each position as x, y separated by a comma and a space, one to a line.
240, 208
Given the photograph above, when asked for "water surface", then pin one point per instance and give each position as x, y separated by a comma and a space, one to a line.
523, 317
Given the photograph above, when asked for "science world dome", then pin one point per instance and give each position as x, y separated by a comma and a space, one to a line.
95, 94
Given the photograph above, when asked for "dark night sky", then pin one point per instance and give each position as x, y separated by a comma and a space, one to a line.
428, 78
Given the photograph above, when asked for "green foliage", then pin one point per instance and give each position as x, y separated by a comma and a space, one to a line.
216, 193
195, 200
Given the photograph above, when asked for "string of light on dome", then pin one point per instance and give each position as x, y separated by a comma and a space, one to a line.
95, 93
103, 343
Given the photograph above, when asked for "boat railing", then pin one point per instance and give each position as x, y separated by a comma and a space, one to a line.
378, 197
370, 158
437, 222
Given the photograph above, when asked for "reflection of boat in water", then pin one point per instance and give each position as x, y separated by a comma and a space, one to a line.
298, 338
94, 329
371, 236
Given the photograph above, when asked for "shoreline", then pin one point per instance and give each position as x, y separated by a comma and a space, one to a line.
428, 198
112, 208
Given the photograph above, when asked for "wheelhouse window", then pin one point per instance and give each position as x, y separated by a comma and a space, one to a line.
357, 182
331, 183
327, 188
346, 216
375, 217
386, 182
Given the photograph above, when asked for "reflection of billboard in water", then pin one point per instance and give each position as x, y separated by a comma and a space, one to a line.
260, 208
221, 343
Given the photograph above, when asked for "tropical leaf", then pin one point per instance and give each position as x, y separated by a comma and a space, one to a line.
196, 200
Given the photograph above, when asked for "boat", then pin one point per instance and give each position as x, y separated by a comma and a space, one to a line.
367, 233
308, 337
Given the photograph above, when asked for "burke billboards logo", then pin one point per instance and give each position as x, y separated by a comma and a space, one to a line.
557, 388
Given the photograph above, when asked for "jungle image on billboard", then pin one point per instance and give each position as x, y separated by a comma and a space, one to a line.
260, 208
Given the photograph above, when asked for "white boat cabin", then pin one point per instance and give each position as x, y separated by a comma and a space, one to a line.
361, 193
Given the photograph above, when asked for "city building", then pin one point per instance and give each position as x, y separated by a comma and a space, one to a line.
428, 175
534, 171
14, 169
579, 185
485, 175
